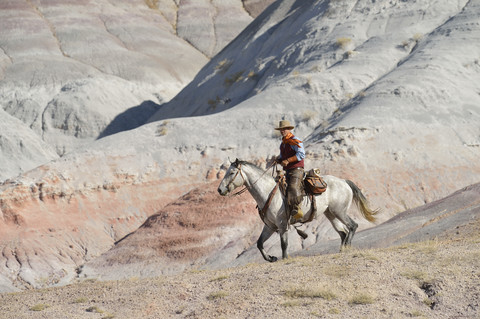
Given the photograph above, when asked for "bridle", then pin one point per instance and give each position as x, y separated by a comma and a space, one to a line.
239, 170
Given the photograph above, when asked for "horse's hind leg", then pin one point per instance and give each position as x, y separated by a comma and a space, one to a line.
352, 227
266, 233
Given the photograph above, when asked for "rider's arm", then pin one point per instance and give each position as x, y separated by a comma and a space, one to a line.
299, 153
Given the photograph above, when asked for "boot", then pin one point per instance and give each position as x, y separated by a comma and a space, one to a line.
296, 214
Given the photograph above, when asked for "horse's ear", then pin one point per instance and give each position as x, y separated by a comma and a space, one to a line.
235, 163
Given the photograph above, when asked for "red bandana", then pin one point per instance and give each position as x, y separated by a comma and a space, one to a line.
290, 141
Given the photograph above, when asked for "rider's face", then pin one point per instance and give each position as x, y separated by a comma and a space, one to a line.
284, 132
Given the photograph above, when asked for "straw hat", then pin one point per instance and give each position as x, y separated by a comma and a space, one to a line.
284, 125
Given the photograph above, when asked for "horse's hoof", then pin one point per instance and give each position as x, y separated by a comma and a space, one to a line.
272, 259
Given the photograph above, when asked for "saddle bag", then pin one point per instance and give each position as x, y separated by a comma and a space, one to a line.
314, 183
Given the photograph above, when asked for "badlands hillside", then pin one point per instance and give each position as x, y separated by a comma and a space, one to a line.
73, 71
385, 93
436, 277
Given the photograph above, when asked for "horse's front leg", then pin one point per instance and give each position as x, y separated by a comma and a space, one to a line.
266, 234
284, 243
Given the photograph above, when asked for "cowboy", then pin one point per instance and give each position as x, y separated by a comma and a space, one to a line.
291, 157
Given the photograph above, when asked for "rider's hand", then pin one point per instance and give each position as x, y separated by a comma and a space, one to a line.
284, 163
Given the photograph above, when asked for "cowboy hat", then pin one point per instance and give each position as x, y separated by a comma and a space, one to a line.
285, 125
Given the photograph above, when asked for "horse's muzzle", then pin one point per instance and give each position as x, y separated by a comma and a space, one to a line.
222, 192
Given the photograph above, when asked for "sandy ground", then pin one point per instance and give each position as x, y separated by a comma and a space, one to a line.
432, 279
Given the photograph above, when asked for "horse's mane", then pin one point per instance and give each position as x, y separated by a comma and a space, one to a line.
256, 167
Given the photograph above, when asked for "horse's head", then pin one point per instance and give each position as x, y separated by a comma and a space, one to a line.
233, 178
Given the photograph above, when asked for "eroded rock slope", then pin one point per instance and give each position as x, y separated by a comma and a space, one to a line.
384, 94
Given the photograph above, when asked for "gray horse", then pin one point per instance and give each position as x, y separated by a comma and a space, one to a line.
333, 203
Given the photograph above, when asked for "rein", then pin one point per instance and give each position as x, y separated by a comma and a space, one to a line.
263, 211
243, 190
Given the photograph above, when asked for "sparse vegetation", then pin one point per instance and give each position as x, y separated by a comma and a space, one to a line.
343, 42
310, 293
317, 286
428, 247
217, 295
223, 65
406, 44
94, 309
337, 271
80, 300
427, 301
162, 129
418, 275
417, 37
213, 103
334, 311
236, 77
39, 307
292, 303
366, 254
252, 75
220, 278
416, 313
295, 73
90, 280
361, 299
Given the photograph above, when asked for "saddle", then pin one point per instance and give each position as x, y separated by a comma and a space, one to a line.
313, 185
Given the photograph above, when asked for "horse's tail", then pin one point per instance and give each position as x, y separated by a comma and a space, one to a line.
362, 202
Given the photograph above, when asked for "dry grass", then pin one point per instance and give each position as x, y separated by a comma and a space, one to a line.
417, 275
94, 309
417, 37
214, 103
223, 65
220, 278
433, 279
362, 298
343, 42
217, 295
39, 307
234, 78
337, 271
162, 129
81, 300
302, 292
252, 75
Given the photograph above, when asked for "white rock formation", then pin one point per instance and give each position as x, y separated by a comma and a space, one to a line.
68, 70
382, 93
